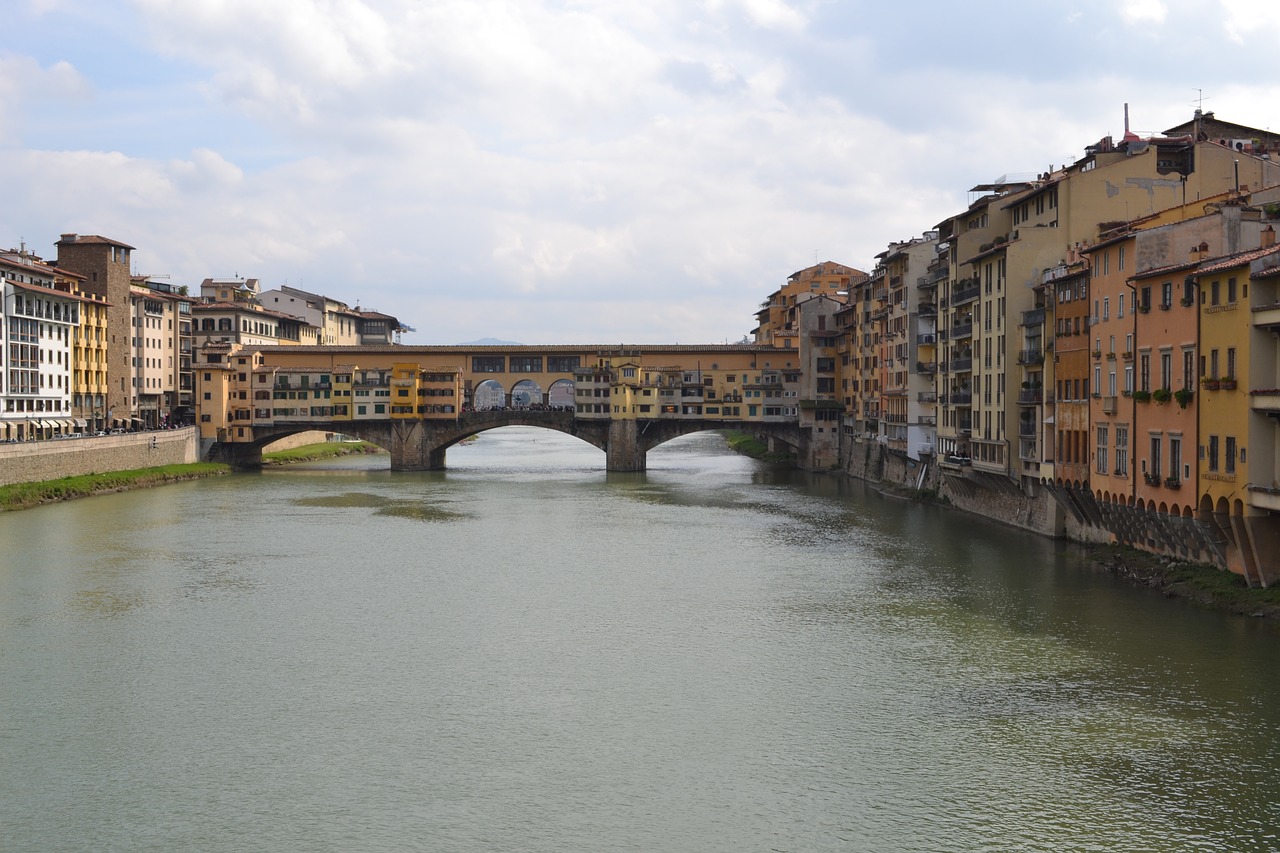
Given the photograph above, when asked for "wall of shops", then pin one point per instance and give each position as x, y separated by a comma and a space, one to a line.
34, 461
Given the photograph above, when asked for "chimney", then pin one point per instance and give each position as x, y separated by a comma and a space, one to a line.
1268, 237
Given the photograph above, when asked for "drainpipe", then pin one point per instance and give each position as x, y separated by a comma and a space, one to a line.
1133, 407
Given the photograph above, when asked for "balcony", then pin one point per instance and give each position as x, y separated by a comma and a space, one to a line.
1034, 317
962, 398
1264, 497
1031, 356
961, 330
961, 365
1029, 397
1266, 401
926, 339
1026, 430
1267, 316
967, 294
1109, 405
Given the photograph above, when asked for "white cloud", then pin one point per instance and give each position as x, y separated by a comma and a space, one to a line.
1245, 21
1143, 11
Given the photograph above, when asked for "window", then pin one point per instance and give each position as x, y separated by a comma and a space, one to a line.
1229, 455
1175, 458
1231, 290
1122, 449
1144, 372
563, 363
488, 364
1102, 449
1213, 453
526, 364
1166, 371
1188, 368
1231, 363
1166, 295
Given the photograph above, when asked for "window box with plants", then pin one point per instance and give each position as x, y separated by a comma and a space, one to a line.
1161, 395
1097, 353
1172, 484
1187, 303
1142, 396
1229, 383
1210, 384
1183, 397
1151, 479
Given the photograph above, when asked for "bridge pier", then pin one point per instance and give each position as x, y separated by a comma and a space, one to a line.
624, 451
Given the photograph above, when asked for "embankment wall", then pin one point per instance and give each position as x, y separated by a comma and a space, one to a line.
33, 461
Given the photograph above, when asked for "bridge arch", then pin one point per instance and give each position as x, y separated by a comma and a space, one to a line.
489, 394
525, 393
560, 394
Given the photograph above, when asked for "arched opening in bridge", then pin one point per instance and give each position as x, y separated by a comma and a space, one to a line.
489, 394
526, 394
560, 396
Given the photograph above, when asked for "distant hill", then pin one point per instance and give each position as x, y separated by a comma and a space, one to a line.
490, 342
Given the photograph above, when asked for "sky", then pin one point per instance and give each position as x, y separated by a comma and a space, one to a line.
572, 171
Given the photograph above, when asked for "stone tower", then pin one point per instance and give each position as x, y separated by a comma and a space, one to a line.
104, 263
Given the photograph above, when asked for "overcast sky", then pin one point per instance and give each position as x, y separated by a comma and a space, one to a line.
576, 171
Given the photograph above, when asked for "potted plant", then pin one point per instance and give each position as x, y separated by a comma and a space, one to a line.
1161, 395
1210, 383
1228, 383
1183, 396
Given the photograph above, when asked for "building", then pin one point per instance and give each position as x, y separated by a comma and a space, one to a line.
776, 323
39, 316
103, 267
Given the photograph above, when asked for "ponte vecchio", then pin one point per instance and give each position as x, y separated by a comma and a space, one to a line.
417, 401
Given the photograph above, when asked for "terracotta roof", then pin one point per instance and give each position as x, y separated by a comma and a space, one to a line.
96, 239
46, 290
1239, 259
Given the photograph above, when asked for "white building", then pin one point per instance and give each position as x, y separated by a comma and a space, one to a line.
35, 349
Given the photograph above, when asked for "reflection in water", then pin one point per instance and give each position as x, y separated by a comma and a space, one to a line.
715, 655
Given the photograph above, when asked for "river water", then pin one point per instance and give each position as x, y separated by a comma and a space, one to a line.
524, 653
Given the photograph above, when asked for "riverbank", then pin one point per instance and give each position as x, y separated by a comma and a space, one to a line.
323, 450
1204, 585
26, 495
749, 445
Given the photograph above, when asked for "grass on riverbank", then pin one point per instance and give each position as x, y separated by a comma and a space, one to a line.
27, 495
1205, 585
323, 450
749, 445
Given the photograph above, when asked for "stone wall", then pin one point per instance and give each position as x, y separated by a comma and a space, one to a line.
33, 461
1049, 510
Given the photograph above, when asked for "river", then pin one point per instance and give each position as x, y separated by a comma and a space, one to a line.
525, 653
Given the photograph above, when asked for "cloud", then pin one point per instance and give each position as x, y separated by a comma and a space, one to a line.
1143, 11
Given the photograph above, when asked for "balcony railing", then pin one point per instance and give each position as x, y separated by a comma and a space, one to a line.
1031, 356
1029, 397
962, 364
1034, 317
962, 398
967, 294
961, 330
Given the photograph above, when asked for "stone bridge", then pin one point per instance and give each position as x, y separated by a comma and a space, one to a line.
421, 444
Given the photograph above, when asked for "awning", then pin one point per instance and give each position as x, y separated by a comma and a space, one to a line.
1049, 419
39, 424
80, 423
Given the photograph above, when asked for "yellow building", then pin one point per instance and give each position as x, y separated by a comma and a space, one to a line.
89, 364
1229, 430
777, 324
